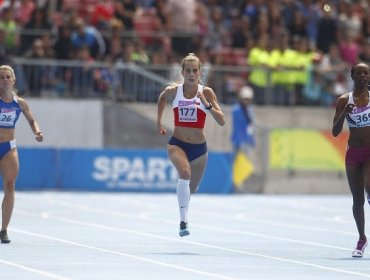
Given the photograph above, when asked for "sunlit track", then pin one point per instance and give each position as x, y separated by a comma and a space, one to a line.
230, 235
241, 216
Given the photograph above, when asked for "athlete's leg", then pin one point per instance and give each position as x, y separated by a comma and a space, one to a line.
356, 185
198, 167
9, 166
179, 159
366, 176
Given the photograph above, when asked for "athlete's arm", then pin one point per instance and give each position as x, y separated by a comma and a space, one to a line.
209, 99
31, 120
341, 111
164, 97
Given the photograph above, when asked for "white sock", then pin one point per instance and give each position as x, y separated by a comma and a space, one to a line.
183, 197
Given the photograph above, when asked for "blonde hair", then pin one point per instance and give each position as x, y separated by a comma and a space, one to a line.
11, 70
191, 57
8, 68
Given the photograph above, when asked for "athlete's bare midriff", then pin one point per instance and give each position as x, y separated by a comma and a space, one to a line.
359, 137
6, 134
189, 134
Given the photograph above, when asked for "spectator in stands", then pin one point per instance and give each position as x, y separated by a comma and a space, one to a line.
102, 14
262, 25
349, 49
10, 108
366, 24
311, 12
82, 80
34, 72
303, 64
258, 59
182, 25
315, 91
115, 42
126, 11
161, 12
88, 36
280, 61
47, 42
23, 10
276, 21
298, 27
365, 52
11, 28
242, 134
241, 36
140, 55
4, 49
34, 29
330, 66
187, 148
353, 107
104, 81
327, 30
63, 47
349, 21
217, 35
63, 50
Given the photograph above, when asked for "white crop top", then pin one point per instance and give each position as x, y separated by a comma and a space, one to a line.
188, 112
360, 116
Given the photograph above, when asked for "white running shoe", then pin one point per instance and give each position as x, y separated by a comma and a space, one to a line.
359, 251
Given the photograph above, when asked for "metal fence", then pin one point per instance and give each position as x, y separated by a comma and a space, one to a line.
118, 81
143, 83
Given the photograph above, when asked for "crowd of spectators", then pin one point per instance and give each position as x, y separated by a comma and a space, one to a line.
312, 41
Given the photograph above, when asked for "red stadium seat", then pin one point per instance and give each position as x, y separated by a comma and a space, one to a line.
144, 27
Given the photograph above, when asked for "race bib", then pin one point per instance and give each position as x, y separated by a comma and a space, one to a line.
187, 112
7, 117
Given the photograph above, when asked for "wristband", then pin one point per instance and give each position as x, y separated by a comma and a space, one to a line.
209, 107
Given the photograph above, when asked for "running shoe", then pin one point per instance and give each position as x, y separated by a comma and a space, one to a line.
358, 252
184, 231
4, 236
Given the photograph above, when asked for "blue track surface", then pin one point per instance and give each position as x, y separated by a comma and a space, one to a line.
62, 235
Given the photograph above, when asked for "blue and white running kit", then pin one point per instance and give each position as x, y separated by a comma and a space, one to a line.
9, 114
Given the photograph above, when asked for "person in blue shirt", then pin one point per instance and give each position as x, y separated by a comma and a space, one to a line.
242, 135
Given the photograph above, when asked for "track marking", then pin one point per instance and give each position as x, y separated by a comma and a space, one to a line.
77, 244
33, 270
205, 245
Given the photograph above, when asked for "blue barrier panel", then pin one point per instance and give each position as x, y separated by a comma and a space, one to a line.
116, 169
136, 170
218, 175
38, 169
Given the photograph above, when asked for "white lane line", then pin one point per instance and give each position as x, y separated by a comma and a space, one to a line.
50, 215
77, 244
321, 214
147, 216
33, 270
246, 218
270, 237
239, 216
205, 245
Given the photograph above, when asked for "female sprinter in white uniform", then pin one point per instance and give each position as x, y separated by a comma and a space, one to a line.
11, 107
187, 148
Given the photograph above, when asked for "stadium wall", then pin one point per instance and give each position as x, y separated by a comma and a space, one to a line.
107, 127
